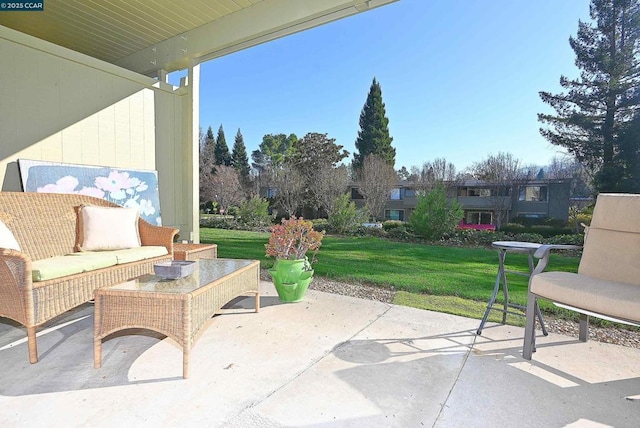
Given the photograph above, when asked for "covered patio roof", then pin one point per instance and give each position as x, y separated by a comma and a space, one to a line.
81, 55
157, 36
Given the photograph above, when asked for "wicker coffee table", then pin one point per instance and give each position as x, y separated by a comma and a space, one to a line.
176, 308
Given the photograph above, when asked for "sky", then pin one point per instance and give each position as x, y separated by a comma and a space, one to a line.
459, 78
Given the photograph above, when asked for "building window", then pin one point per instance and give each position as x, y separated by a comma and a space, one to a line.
533, 194
532, 215
394, 215
409, 193
355, 194
271, 192
482, 193
479, 217
396, 194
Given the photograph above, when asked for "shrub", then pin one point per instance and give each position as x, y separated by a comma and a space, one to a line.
461, 237
547, 231
528, 237
434, 215
582, 218
219, 222
539, 221
573, 239
254, 214
544, 230
320, 224
376, 232
400, 233
392, 224
345, 217
509, 227
555, 223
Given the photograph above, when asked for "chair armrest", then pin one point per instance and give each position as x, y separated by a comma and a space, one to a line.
546, 248
544, 252
157, 235
14, 265
16, 286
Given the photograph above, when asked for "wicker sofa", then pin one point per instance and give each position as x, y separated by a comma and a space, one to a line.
45, 225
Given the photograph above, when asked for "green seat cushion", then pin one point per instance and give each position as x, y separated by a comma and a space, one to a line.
57, 267
129, 255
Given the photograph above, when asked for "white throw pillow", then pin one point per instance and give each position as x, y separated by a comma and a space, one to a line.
7, 240
109, 228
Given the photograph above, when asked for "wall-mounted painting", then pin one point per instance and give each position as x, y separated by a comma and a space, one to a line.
126, 187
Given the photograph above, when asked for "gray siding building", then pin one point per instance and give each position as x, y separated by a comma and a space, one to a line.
486, 203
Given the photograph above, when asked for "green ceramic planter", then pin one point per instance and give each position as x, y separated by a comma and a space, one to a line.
291, 279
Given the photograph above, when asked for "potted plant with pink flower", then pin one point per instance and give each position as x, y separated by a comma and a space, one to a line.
290, 242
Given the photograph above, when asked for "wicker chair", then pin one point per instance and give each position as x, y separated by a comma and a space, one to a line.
45, 226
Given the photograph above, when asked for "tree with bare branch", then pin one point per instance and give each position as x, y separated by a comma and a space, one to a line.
377, 179
568, 168
329, 184
222, 186
499, 173
290, 185
207, 165
433, 173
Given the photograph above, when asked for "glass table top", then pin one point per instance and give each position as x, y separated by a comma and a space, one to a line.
206, 272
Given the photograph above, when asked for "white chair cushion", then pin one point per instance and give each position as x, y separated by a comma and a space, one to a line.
7, 240
616, 299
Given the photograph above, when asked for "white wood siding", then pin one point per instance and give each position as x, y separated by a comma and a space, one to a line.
57, 105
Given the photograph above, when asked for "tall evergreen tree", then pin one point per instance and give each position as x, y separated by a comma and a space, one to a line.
207, 164
209, 138
373, 136
630, 152
223, 157
239, 157
207, 148
593, 118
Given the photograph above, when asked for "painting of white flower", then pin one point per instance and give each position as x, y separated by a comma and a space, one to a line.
68, 184
129, 188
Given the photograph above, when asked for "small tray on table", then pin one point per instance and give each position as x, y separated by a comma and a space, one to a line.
174, 269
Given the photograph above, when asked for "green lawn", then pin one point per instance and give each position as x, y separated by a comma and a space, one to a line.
418, 269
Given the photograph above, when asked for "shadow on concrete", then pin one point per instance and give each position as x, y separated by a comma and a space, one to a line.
65, 348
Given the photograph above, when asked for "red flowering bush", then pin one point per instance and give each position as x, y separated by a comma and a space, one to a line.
293, 239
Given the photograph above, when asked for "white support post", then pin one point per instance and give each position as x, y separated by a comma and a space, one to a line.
192, 155
163, 76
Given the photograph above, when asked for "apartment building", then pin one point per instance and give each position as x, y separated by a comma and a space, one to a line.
485, 203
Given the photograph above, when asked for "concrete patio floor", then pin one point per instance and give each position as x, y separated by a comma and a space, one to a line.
328, 361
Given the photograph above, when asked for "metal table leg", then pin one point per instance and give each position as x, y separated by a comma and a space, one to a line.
538, 311
493, 296
502, 255
501, 277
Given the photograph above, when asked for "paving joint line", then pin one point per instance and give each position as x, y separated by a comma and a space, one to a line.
455, 382
313, 363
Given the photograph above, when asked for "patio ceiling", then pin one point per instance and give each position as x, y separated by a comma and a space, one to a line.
152, 35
